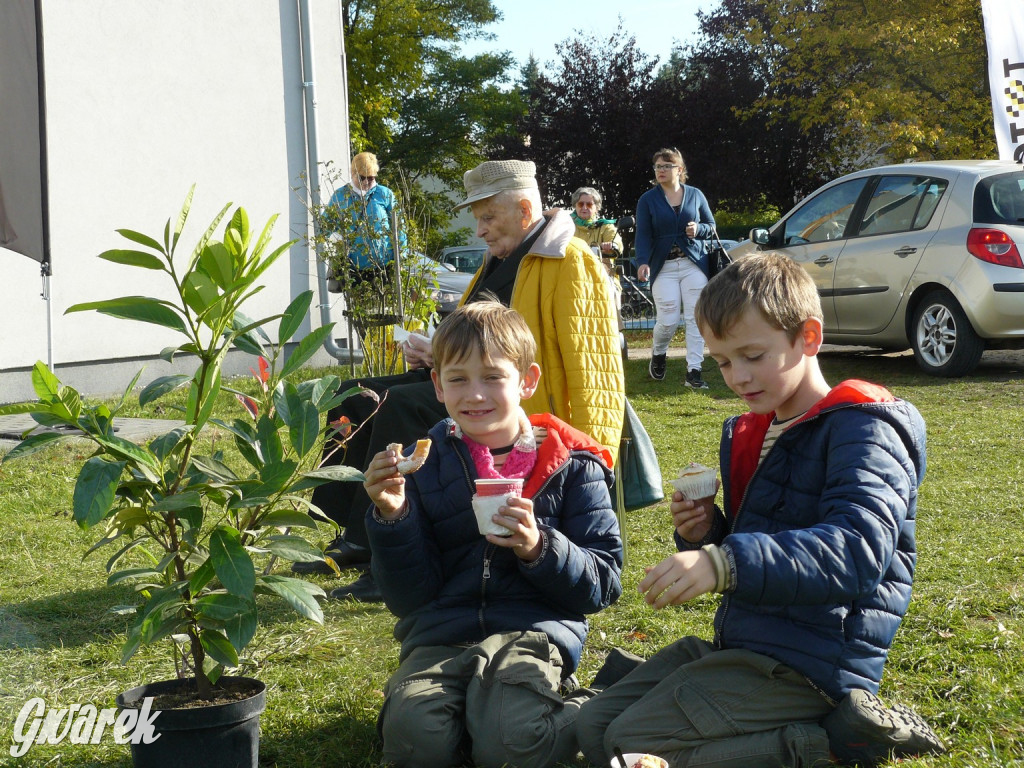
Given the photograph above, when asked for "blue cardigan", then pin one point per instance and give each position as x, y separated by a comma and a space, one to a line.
820, 535
447, 584
658, 226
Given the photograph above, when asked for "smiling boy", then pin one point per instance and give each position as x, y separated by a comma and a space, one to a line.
813, 553
492, 627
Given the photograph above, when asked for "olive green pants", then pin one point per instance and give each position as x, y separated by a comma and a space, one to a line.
494, 703
695, 705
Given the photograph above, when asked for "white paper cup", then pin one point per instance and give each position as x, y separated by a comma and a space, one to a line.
491, 495
632, 757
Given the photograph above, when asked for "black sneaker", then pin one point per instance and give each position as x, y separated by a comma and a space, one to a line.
657, 366
863, 731
694, 380
362, 590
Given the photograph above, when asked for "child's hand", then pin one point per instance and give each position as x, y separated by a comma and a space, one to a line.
518, 517
384, 485
678, 578
692, 518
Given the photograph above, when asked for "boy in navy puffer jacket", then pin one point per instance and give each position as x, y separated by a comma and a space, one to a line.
813, 553
491, 626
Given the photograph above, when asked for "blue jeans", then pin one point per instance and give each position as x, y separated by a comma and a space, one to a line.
695, 705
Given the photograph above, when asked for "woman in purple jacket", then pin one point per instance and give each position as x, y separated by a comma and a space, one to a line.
672, 222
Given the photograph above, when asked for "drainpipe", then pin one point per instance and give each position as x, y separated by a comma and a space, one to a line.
313, 162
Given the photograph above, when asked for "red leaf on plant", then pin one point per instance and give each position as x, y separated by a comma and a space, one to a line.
343, 426
249, 404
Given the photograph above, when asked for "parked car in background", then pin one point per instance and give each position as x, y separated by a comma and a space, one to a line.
465, 258
921, 255
451, 284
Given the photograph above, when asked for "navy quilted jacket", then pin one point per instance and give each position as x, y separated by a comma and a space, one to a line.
447, 584
821, 535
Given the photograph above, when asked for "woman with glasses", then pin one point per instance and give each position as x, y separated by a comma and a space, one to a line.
360, 212
672, 222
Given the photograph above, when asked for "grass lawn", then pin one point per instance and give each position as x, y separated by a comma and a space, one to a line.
957, 658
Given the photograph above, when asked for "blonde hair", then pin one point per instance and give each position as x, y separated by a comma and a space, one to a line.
489, 327
365, 164
775, 285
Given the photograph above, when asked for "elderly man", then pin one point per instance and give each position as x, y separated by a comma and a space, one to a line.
535, 265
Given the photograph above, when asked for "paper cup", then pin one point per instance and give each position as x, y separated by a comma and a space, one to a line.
632, 758
491, 495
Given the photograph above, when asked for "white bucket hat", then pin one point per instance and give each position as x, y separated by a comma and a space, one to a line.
494, 176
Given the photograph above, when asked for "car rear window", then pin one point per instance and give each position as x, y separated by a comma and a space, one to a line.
1000, 199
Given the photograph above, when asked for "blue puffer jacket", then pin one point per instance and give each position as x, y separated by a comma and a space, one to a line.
447, 584
365, 220
822, 535
658, 226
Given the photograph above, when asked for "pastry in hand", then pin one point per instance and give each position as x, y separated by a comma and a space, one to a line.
408, 464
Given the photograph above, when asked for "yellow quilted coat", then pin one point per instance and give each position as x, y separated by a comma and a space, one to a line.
562, 291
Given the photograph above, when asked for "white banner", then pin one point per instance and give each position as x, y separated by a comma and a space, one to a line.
1004, 36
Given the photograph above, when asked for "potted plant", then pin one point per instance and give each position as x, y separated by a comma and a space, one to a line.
195, 529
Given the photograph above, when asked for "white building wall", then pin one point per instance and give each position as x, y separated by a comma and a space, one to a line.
143, 99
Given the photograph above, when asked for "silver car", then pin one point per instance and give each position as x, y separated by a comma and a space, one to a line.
920, 255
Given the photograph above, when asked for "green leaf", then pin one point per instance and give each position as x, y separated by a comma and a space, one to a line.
270, 446
241, 627
164, 445
182, 217
133, 574
238, 227
141, 239
307, 348
176, 501
231, 562
12, 409
274, 478
288, 518
199, 292
205, 238
336, 473
44, 382
95, 489
141, 308
201, 576
292, 318
214, 469
215, 260
32, 444
125, 449
202, 395
304, 428
161, 386
299, 594
222, 606
292, 548
218, 647
133, 258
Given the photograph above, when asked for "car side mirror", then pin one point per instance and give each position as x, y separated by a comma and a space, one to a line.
760, 236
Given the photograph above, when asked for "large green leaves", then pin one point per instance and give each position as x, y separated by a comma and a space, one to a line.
141, 308
95, 489
232, 563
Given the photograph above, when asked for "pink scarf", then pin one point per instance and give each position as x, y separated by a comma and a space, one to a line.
520, 461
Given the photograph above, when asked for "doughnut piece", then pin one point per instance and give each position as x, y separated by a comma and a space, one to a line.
409, 464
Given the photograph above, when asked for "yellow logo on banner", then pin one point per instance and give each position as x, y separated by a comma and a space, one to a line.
1015, 95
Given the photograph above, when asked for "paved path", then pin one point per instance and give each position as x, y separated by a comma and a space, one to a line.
136, 430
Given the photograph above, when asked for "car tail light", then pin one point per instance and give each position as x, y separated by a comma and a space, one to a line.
994, 246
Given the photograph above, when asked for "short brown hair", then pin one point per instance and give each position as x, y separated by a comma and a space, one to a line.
492, 329
775, 285
673, 155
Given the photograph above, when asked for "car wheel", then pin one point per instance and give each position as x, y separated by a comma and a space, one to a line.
944, 342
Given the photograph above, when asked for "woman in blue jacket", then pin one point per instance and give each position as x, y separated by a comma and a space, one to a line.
361, 213
672, 222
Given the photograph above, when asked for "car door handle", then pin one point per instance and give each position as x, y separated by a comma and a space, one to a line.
905, 251
821, 261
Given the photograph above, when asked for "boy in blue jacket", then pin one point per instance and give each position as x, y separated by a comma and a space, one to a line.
491, 626
813, 553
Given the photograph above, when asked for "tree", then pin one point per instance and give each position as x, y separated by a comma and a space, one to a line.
586, 123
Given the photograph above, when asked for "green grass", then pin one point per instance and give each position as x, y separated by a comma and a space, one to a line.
957, 658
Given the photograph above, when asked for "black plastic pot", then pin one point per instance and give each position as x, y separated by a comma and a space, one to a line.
218, 736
